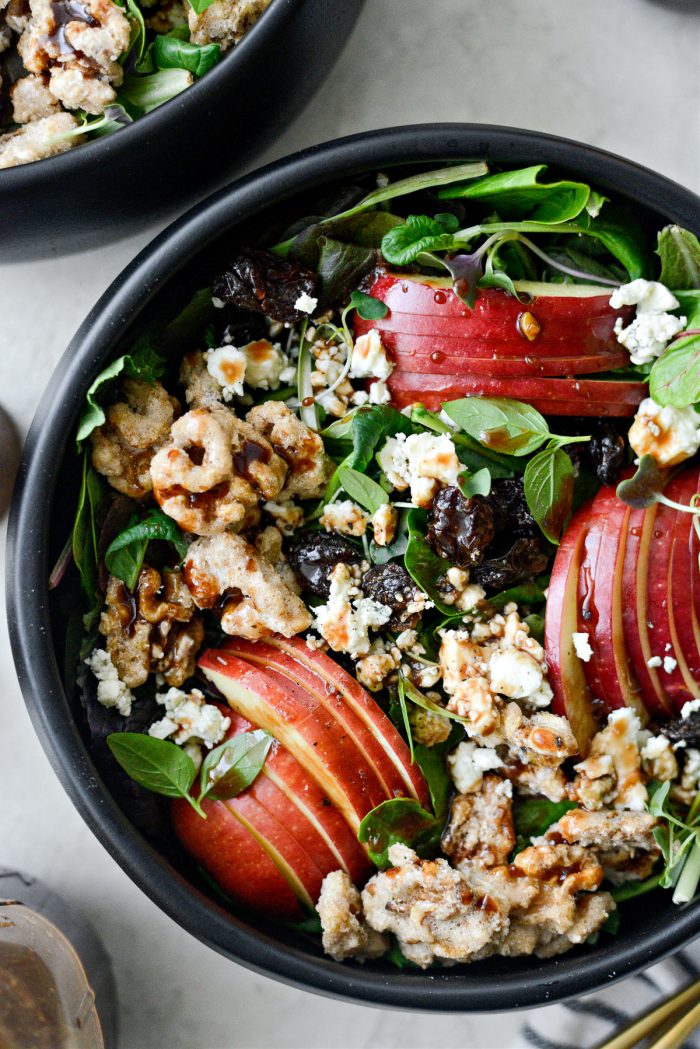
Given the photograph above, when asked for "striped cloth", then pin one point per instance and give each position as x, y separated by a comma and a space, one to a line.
587, 1021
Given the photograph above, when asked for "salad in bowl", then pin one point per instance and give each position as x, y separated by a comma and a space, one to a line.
388, 548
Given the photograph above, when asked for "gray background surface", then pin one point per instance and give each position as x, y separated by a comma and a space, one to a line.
622, 74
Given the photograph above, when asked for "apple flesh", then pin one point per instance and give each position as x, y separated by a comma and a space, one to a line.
270, 847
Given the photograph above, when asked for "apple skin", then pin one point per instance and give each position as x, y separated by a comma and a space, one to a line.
571, 324
381, 746
302, 726
572, 696
685, 585
551, 396
270, 847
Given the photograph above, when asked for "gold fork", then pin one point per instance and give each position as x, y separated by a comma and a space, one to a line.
673, 1022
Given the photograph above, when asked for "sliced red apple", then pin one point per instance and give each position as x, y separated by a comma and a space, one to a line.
551, 396
684, 603
572, 696
346, 701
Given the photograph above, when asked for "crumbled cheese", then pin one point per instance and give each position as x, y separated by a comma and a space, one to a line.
670, 664
218, 304
649, 296
463, 595
468, 763
286, 515
346, 619
379, 392
265, 365
647, 336
384, 522
422, 462
359, 398
369, 358
111, 691
654, 662
654, 747
582, 646
514, 673
188, 717
227, 365
306, 303
671, 435
345, 517
691, 707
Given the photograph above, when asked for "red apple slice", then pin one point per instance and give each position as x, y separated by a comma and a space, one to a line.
354, 709
684, 600
551, 396
572, 696
303, 727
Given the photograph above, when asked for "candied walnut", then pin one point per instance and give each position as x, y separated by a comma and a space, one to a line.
201, 388
480, 826
39, 140
391, 585
473, 699
372, 671
524, 560
268, 543
538, 780
314, 555
623, 841
591, 912
17, 15
225, 573
563, 871
301, 449
428, 727
153, 629
345, 931
542, 739
258, 280
225, 22
434, 911
134, 430
460, 529
214, 471
32, 100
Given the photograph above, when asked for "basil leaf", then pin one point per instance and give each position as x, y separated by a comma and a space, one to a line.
521, 194
675, 377
679, 251
169, 52
234, 765
504, 425
369, 308
478, 483
156, 764
549, 490
532, 817
403, 244
422, 563
402, 821
149, 92
144, 363
125, 554
362, 489
643, 489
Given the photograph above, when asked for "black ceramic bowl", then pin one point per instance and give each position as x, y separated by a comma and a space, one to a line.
162, 163
45, 497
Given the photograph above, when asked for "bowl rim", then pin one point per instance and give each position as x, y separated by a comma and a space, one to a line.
27, 566
65, 165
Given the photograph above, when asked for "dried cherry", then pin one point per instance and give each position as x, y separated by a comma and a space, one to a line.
511, 512
684, 730
524, 560
460, 529
264, 283
314, 555
391, 585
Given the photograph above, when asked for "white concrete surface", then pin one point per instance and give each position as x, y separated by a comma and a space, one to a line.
623, 74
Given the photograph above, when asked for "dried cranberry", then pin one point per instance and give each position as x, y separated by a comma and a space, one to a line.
391, 585
262, 282
524, 560
511, 512
460, 529
314, 555
684, 730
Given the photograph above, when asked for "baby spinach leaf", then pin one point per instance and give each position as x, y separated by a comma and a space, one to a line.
156, 764
369, 308
498, 423
679, 251
144, 363
536, 625
403, 244
530, 593
644, 488
171, 52
532, 817
125, 554
422, 563
675, 377
362, 489
478, 483
234, 765
150, 91
521, 194
398, 959
399, 821
432, 761
549, 490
